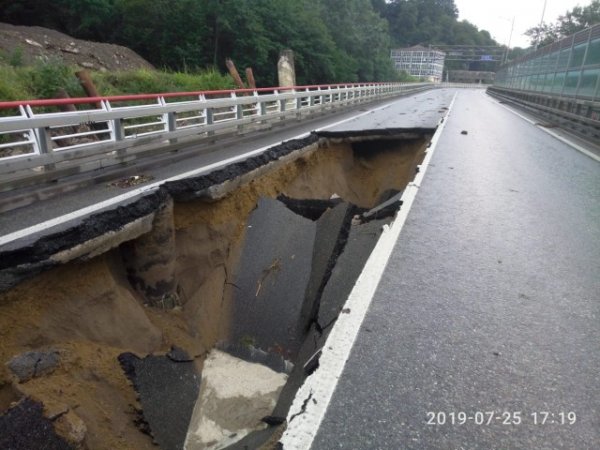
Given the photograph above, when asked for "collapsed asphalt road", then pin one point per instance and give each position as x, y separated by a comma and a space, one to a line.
256, 259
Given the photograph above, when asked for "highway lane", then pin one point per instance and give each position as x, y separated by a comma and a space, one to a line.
69, 208
490, 302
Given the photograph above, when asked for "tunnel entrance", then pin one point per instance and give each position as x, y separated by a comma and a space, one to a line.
253, 272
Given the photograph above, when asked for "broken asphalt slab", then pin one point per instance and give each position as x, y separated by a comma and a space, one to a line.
28, 256
167, 391
33, 364
271, 278
331, 234
24, 427
418, 115
360, 244
312, 209
386, 209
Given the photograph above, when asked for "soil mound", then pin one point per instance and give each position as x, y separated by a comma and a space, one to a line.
35, 42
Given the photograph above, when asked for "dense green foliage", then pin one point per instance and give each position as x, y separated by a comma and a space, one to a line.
334, 40
577, 19
18, 82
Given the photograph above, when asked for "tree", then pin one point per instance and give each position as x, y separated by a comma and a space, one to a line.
579, 18
413, 22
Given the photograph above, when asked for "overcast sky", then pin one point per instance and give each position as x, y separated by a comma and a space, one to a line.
496, 16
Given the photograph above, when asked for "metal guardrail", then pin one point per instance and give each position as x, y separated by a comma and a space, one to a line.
581, 117
38, 144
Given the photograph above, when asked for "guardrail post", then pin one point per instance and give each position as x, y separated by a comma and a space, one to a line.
44, 145
42, 138
281, 103
171, 122
169, 119
239, 113
298, 100
210, 119
117, 130
44, 142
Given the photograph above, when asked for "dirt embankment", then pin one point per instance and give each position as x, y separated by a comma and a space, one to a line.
89, 313
31, 43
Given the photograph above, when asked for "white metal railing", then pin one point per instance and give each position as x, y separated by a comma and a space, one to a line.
39, 142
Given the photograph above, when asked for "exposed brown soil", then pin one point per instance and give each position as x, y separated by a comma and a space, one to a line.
36, 42
90, 314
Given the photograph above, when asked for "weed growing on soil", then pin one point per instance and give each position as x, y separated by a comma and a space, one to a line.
44, 78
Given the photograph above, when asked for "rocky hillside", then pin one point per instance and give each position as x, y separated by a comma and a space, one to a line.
26, 44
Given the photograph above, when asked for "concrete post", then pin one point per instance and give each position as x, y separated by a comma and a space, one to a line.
150, 260
286, 69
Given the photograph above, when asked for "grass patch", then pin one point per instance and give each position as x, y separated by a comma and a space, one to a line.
48, 75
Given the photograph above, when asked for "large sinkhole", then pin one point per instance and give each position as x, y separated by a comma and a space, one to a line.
198, 333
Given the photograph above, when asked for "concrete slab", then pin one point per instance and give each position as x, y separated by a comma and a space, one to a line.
271, 278
167, 392
23, 427
235, 396
251, 354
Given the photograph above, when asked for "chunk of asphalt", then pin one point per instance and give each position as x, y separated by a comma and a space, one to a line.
190, 188
310, 351
312, 209
272, 276
361, 241
387, 194
167, 391
24, 427
249, 353
33, 364
331, 235
177, 354
388, 208
18, 258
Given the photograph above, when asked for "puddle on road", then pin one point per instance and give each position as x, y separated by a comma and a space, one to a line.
261, 271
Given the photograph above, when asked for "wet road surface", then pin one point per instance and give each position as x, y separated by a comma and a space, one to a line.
490, 301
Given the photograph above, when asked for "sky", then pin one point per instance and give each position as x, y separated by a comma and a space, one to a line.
496, 16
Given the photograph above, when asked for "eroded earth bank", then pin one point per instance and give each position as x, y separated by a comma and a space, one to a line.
189, 318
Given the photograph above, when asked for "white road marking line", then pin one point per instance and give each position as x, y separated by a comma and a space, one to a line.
305, 417
10, 237
552, 133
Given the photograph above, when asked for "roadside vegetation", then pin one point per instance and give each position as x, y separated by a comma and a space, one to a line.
189, 40
333, 40
47, 76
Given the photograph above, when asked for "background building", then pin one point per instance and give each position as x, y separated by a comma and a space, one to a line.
420, 61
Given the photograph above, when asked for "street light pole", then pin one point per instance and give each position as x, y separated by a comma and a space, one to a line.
537, 41
512, 27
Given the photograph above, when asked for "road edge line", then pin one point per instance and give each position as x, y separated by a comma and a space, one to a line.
312, 399
564, 140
